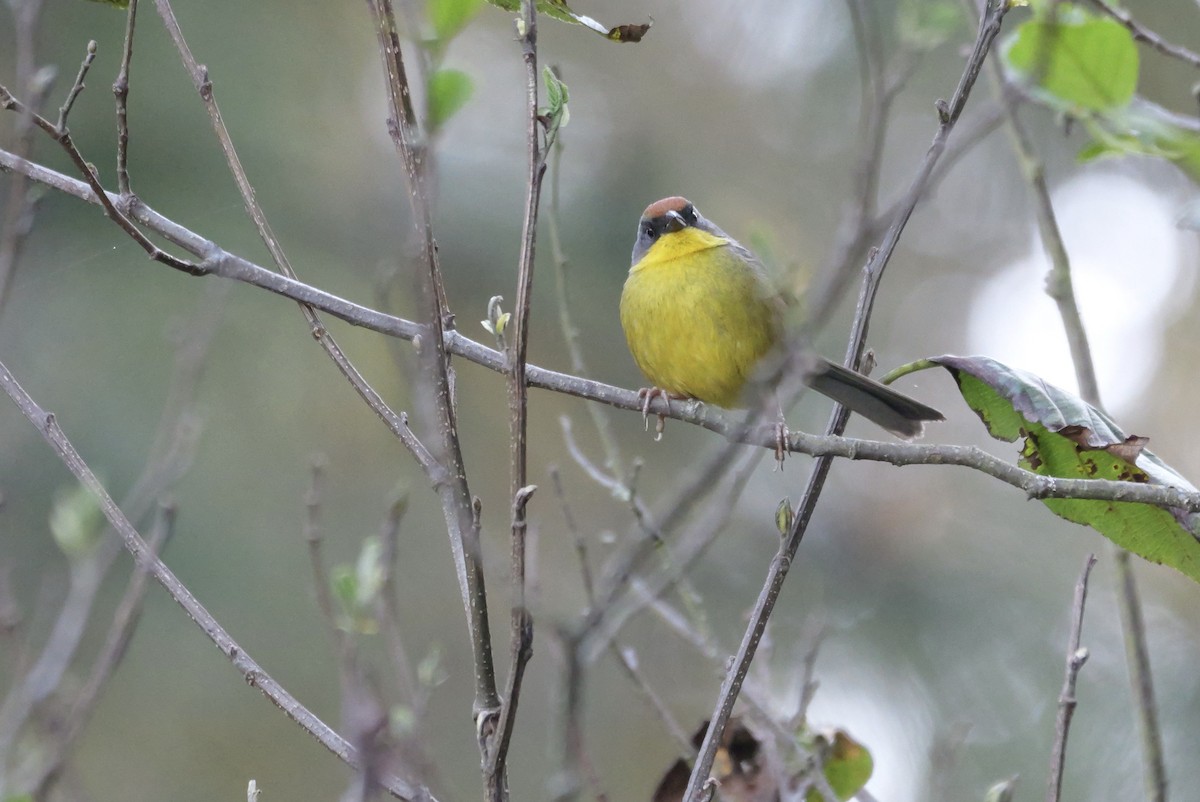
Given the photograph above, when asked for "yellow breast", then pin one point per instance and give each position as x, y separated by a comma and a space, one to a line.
698, 316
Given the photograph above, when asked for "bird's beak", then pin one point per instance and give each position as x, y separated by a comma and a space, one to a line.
675, 222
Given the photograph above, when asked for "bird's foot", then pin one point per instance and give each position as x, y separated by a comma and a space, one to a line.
647, 395
783, 437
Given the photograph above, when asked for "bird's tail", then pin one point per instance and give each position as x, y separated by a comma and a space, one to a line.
876, 402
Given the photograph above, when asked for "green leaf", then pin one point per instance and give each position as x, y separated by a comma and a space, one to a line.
559, 10
449, 90
76, 521
1079, 61
448, 17
784, 516
557, 112
344, 585
402, 720
848, 765
1068, 438
354, 595
369, 572
1143, 129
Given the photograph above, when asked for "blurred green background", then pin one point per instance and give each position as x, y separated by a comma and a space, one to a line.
946, 596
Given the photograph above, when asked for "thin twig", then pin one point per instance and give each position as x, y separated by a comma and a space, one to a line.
1058, 283
224, 264
1060, 287
581, 549
413, 742
758, 703
808, 685
458, 510
121, 93
627, 660
312, 539
251, 671
62, 135
73, 94
1076, 657
11, 618
1137, 658
168, 459
601, 629
948, 115
120, 633
21, 203
521, 635
650, 539
600, 418
567, 783
389, 604
860, 223
396, 423
1144, 34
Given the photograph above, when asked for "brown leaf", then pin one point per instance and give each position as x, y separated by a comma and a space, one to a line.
628, 33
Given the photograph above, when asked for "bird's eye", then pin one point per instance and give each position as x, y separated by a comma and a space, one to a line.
650, 232
689, 214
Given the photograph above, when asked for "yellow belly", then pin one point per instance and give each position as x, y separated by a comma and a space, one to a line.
697, 325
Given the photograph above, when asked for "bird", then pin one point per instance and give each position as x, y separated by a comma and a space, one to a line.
700, 315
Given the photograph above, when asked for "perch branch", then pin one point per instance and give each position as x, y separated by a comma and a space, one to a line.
218, 262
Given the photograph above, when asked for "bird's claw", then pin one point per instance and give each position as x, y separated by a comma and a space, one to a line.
647, 394
783, 438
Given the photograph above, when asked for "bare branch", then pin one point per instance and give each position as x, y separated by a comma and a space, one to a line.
120, 633
62, 135
1076, 657
219, 262
1137, 658
1144, 34
312, 539
251, 671
628, 661
396, 423
521, 634
35, 84
600, 419
462, 523
581, 549
169, 457
120, 90
76, 87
